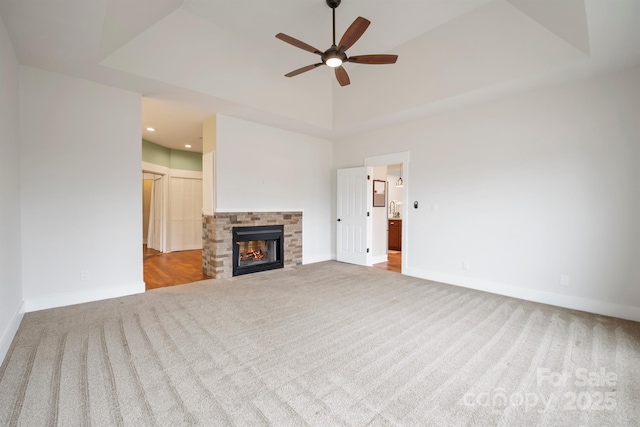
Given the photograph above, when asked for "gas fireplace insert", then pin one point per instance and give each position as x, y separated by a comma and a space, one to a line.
257, 248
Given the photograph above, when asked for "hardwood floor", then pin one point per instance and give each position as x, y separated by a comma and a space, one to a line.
394, 262
175, 268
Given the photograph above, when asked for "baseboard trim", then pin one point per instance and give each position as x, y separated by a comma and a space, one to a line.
567, 301
10, 332
72, 298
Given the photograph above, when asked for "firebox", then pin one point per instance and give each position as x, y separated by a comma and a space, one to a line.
257, 248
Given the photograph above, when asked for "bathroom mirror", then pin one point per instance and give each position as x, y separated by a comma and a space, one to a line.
379, 193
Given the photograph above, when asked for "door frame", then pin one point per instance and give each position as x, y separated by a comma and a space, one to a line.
401, 158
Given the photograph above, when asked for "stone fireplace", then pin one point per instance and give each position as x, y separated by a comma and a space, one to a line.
218, 260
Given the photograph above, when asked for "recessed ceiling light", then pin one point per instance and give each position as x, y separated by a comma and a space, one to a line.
187, 145
151, 129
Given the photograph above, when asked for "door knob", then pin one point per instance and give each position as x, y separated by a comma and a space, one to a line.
339, 220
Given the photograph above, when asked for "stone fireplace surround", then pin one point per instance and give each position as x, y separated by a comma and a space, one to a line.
217, 246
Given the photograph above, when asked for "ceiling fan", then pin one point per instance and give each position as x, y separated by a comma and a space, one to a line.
336, 55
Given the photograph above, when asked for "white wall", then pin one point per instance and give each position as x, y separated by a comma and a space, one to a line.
528, 188
261, 168
80, 198
10, 260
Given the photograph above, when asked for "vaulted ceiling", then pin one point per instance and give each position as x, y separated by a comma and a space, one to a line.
194, 58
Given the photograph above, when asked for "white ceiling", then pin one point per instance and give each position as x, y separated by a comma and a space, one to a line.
194, 58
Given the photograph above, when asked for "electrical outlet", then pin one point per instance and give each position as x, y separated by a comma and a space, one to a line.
564, 280
465, 265
84, 275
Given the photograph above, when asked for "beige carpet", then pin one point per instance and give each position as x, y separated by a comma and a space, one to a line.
324, 344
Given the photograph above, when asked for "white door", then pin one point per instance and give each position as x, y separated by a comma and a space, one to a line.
185, 199
353, 218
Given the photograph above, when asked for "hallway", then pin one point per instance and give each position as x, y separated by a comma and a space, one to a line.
394, 262
170, 269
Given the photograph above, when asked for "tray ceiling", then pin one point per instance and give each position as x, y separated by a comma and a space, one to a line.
191, 59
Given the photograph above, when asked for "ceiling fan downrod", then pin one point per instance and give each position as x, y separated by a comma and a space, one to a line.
333, 4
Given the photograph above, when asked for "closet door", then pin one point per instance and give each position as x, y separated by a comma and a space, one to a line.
185, 201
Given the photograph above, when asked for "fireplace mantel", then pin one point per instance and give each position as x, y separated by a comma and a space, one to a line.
217, 238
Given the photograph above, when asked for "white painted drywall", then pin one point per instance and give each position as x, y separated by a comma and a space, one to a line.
261, 168
528, 188
80, 197
10, 259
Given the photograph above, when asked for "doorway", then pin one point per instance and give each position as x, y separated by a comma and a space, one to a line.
358, 241
172, 253
390, 233
387, 223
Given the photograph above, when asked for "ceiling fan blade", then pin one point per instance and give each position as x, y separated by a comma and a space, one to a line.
374, 59
297, 43
303, 69
353, 33
342, 76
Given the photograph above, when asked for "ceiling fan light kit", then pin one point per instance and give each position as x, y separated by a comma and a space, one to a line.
336, 55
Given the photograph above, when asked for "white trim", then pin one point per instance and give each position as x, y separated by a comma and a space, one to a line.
369, 219
153, 168
208, 183
566, 301
10, 332
71, 298
394, 159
